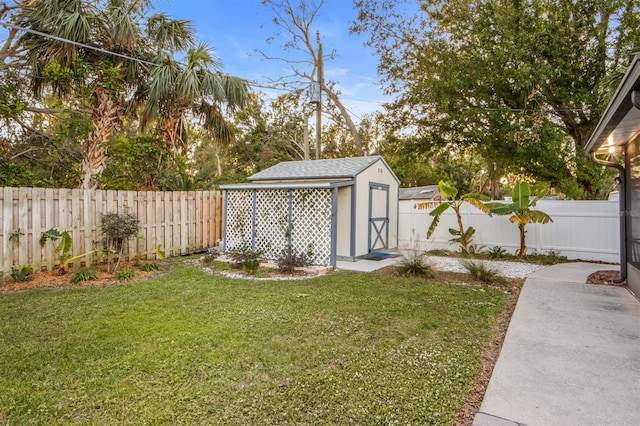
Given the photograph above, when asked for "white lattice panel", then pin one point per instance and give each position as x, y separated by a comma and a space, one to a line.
310, 225
239, 219
272, 222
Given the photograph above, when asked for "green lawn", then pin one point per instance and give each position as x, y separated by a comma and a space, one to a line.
191, 348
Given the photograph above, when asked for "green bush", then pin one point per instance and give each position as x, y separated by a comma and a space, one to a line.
290, 260
246, 259
83, 275
21, 273
125, 274
150, 267
415, 264
496, 252
481, 272
210, 257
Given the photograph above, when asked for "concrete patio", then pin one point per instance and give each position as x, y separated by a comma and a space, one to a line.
571, 355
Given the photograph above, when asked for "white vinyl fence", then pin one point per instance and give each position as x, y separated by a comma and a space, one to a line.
587, 230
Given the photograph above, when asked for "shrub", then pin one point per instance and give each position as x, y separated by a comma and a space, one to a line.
415, 264
210, 256
246, 259
150, 267
496, 252
21, 273
125, 274
116, 230
83, 275
290, 260
481, 272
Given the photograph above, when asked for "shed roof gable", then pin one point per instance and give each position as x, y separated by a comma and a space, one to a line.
317, 169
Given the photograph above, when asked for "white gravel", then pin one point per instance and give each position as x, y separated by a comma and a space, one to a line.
506, 269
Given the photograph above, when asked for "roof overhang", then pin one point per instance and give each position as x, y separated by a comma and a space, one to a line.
286, 185
620, 122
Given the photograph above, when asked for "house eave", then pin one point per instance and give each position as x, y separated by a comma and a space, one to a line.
619, 111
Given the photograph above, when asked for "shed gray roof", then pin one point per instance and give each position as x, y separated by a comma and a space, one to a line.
317, 169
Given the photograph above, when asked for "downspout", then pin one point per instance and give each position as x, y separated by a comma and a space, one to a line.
622, 200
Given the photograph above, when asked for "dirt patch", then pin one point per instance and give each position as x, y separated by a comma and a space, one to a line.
55, 280
605, 278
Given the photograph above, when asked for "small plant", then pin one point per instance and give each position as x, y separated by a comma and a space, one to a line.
551, 257
15, 235
210, 257
461, 236
475, 250
150, 267
521, 211
63, 248
159, 252
246, 259
290, 260
83, 275
481, 272
125, 274
496, 252
415, 264
21, 273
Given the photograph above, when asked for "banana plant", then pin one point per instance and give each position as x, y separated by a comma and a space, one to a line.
461, 236
63, 248
521, 211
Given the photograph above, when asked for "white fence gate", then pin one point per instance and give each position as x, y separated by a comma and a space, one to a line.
587, 230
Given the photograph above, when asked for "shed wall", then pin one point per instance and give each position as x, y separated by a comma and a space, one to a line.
376, 173
343, 245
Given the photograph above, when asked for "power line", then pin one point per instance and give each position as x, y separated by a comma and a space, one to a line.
75, 43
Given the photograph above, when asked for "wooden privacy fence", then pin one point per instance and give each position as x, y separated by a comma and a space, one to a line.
180, 222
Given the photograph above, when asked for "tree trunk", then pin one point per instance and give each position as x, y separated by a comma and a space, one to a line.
347, 118
105, 116
523, 248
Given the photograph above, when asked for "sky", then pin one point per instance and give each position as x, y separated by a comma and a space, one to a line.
236, 28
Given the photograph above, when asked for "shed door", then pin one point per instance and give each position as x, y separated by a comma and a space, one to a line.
378, 216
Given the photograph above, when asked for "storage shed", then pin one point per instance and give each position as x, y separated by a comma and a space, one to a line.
337, 209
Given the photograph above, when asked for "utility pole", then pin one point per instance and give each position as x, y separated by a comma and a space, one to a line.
319, 104
305, 136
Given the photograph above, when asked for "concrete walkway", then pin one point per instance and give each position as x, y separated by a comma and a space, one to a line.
571, 355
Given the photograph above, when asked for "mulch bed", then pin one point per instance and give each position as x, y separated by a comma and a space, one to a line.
605, 278
54, 280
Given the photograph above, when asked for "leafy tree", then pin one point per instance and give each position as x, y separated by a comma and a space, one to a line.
517, 82
461, 236
521, 211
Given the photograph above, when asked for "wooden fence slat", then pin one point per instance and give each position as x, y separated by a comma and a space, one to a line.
36, 228
7, 229
50, 218
181, 222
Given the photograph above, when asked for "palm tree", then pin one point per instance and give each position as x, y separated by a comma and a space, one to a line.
109, 83
94, 79
198, 89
